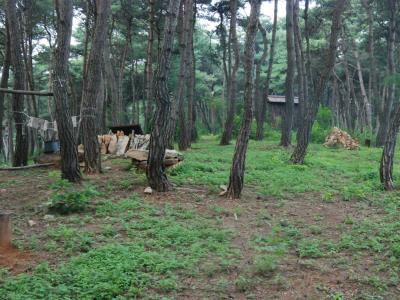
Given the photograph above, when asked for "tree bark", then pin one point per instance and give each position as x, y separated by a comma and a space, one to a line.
158, 141
258, 96
386, 166
111, 81
287, 120
236, 178
5, 74
232, 85
5, 231
68, 148
21, 142
304, 130
300, 62
191, 81
260, 124
149, 69
372, 82
392, 6
186, 11
366, 104
89, 110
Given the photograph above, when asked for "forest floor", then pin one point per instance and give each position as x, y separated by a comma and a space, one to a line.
324, 230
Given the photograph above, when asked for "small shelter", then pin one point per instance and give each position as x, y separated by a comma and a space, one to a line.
276, 109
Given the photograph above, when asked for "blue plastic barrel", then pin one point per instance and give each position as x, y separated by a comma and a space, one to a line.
51, 146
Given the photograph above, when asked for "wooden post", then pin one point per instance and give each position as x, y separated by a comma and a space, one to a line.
5, 230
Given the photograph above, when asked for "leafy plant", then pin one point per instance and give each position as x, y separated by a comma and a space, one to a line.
265, 265
309, 249
66, 198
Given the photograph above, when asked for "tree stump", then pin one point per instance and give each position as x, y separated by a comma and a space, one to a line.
5, 230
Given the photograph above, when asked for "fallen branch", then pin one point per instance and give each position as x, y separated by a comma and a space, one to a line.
27, 167
23, 92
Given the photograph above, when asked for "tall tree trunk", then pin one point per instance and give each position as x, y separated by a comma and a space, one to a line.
158, 141
300, 62
224, 63
185, 15
89, 110
135, 111
366, 104
232, 85
21, 143
304, 130
259, 100
236, 179
310, 74
350, 101
121, 115
26, 25
386, 166
149, 69
111, 80
372, 82
69, 152
191, 81
260, 123
287, 120
5, 73
392, 6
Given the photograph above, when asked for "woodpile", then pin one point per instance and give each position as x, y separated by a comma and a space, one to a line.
115, 144
135, 147
140, 142
140, 157
139, 153
341, 138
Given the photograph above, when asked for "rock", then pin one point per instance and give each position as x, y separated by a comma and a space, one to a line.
49, 217
31, 223
148, 190
284, 223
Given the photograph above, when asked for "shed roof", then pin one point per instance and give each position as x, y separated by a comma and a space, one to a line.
280, 99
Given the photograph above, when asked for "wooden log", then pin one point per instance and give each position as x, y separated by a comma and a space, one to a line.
5, 230
49, 158
170, 162
138, 155
23, 92
28, 167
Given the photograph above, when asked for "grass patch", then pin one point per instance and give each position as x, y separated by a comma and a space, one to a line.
159, 244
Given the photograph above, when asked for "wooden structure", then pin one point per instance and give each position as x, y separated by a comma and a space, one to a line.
5, 230
276, 108
127, 129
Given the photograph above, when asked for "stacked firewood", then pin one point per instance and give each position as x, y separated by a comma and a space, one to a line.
140, 142
115, 144
341, 138
135, 147
139, 152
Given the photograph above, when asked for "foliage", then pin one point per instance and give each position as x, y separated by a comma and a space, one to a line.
322, 125
159, 245
209, 165
265, 265
318, 133
67, 198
